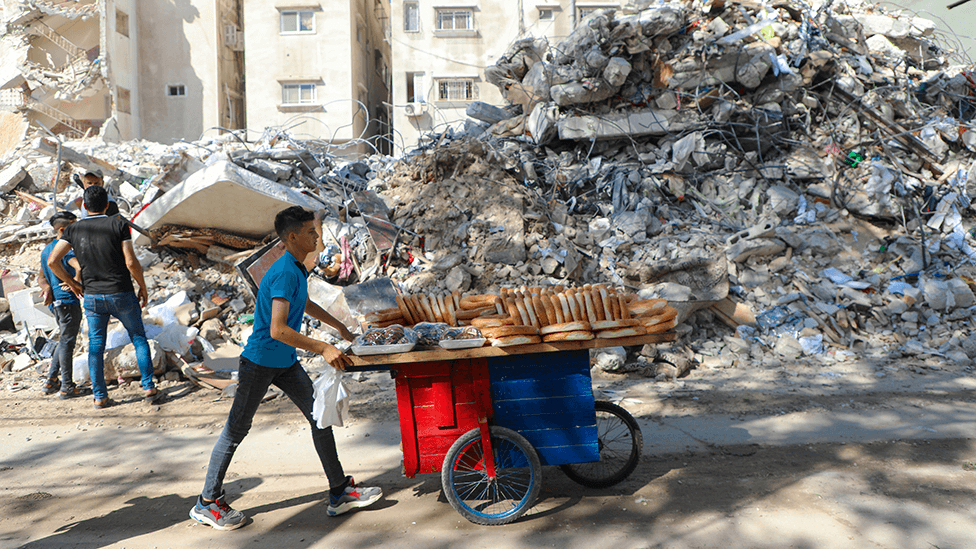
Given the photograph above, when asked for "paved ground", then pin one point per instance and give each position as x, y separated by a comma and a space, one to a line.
882, 466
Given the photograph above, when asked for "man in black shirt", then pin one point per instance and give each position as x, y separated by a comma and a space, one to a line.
103, 246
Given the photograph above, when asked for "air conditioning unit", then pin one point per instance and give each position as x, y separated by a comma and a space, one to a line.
415, 109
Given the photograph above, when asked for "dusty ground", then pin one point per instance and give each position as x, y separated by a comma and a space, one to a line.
71, 476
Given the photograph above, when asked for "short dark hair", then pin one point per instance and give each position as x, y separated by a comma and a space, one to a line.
96, 199
62, 219
290, 219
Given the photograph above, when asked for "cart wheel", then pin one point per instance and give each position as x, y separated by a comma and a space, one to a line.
491, 501
620, 442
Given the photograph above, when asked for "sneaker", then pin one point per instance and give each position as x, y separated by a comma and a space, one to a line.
218, 514
353, 497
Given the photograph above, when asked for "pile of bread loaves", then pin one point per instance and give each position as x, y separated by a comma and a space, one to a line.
534, 315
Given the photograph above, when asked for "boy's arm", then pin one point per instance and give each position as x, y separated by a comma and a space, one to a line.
60, 250
313, 310
77, 267
283, 333
135, 269
45, 288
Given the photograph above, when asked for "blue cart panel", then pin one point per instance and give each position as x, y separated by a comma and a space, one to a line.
548, 399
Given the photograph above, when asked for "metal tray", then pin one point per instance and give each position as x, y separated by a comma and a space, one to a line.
451, 344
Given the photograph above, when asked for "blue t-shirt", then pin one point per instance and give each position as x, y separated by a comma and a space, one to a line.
64, 296
286, 279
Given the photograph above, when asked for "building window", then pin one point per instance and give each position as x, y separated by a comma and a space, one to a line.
456, 90
176, 90
415, 87
121, 23
294, 21
455, 19
232, 35
298, 94
411, 17
125, 99
546, 14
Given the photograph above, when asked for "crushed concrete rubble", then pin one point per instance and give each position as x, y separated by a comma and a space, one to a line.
795, 179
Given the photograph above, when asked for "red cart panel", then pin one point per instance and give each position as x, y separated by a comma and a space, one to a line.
438, 402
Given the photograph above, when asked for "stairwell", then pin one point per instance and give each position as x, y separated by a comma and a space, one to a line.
40, 29
75, 128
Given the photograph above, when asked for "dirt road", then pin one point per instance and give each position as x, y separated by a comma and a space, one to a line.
850, 460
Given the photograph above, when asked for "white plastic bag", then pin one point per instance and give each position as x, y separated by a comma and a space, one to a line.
79, 369
331, 402
177, 338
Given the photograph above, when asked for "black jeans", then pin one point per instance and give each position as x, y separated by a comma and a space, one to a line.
252, 384
68, 316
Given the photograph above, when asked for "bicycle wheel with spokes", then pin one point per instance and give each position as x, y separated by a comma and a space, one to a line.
485, 500
620, 442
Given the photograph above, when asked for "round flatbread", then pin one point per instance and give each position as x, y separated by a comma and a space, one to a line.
630, 331
581, 335
511, 341
477, 301
492, 321
614, 324
661, 327
646, 306
574, 326
505, 331
663, 315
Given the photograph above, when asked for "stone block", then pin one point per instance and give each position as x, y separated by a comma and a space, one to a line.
782, 200
485, 112
962, 296
616, 71
11, 177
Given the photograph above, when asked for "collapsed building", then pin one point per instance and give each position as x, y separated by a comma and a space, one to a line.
94, 68
795, 179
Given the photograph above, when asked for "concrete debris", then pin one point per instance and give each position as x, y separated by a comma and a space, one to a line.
796, 182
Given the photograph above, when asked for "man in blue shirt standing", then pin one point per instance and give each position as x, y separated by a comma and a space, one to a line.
270, 358
67, 311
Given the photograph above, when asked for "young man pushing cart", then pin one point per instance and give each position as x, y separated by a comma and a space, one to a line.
270, 358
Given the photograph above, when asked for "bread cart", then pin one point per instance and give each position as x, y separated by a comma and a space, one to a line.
489, 418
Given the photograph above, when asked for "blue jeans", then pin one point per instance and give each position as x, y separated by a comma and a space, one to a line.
253, 381
68, 316
125, 307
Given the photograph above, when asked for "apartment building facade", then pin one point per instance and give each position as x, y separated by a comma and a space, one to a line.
161, 70
441, 48
319, 69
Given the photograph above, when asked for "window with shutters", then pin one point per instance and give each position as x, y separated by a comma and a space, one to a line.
411, 17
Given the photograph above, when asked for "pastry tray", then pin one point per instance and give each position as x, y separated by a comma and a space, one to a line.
364, 350
451, 344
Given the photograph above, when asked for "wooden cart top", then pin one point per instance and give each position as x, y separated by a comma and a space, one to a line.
359, 362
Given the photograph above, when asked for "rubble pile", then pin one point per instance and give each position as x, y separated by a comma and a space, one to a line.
818, 160
795, 180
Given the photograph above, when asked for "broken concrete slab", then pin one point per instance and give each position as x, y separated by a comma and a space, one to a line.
222, 196
755, 247
616, 125
11, 177
485, 112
